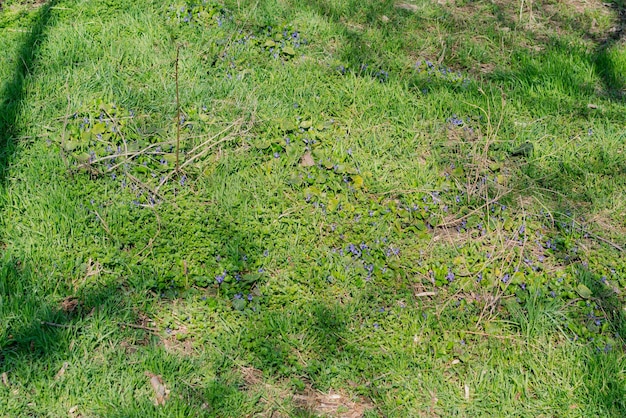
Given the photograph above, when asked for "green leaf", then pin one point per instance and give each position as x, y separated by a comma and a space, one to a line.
251, 277
262, 144
98, 128
70, 145
289, 51
239, 304
357, 181
458, 172
269, 44
82, 157
333, 204
525, 150
583, 291
287, 125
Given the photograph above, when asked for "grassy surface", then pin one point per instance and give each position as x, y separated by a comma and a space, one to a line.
390, 209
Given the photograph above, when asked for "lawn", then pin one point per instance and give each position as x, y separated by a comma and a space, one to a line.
312, 208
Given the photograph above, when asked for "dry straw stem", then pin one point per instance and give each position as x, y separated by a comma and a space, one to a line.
129, 156
177, 109
207, 147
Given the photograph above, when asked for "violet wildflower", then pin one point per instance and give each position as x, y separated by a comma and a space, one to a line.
220, 278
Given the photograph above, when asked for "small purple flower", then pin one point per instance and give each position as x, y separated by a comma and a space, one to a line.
220, 278
250, 297
261, 270
238, 296
455, 121
479, 277
354, 250
450, 276
506, 278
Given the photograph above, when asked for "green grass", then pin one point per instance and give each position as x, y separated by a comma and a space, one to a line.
424, 265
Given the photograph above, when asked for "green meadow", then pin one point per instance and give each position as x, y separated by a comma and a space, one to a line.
332, 208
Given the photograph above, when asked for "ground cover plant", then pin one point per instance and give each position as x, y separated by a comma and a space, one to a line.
321, 208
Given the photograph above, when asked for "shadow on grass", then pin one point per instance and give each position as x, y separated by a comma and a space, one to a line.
612, 74
13, 94
604, 366
36, 330
553, 69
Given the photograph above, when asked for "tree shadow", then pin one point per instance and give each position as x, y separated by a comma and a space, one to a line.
14, 92
612, 75
604, 365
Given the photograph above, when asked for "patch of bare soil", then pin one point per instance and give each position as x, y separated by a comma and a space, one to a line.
332, 404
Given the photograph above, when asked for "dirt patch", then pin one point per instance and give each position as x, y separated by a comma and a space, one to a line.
407, 6
335, 404
332, 404
69, 304
179, 342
